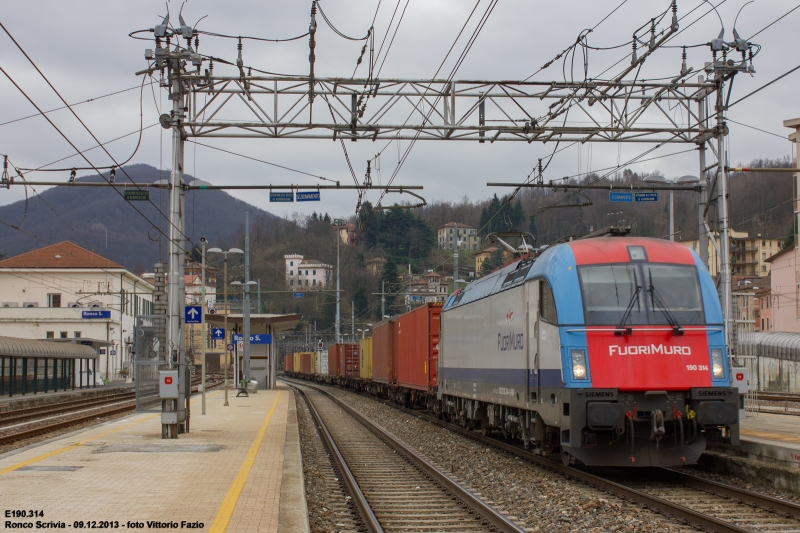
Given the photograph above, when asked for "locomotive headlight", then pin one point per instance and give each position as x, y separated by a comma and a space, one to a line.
717, 363
578, 358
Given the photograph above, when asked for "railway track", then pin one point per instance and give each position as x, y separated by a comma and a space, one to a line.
26, 423
694, 502
393, 488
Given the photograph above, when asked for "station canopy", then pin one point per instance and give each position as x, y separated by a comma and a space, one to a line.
39, 349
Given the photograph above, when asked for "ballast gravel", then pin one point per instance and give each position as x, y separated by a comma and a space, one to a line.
542, 500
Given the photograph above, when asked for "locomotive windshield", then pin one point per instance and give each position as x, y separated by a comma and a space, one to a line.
641, 293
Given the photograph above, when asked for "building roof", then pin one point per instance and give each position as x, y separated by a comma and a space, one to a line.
431, 275
62, 255
488, 250
452, 224
770, 259
376, 260
309, 262
29, 348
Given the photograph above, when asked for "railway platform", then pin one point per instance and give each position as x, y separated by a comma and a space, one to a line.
239, 469
43, 398
768, 453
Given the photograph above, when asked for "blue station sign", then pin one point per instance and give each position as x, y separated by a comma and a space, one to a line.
96, 314
218, 333
620, 197
193, 314
308, 196
257, 338
646, 196
281, 197
298, 294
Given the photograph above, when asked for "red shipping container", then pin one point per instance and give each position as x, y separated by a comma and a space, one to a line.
418, 347
384, 352
351, 360
288, 362
333, 360
305, 363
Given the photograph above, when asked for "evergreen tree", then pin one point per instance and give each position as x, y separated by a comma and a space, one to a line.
389, 283
493, 261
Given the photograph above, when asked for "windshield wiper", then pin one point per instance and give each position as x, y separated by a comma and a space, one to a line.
621, 326
657, 300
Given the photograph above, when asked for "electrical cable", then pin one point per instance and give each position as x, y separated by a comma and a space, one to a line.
748, 95
141, 114
21, 171
76, 103
336, 31
388, 48
248, 38
754, 128
262, 161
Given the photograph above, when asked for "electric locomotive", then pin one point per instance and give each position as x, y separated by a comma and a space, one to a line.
609, 351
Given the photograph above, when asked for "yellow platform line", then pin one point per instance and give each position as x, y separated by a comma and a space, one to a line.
235, 490
73, 446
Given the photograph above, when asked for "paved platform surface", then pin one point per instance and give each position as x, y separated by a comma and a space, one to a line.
238, 470
771, 437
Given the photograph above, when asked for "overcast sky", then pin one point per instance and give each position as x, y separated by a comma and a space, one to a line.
84, 49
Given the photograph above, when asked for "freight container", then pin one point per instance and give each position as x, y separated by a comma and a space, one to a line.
418, 347
365, 358
384, 350
350, 359
333, 360
288, 362
297, 362
322, 358
305, 363
314, 363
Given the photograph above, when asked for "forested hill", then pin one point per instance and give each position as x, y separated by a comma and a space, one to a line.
99, 219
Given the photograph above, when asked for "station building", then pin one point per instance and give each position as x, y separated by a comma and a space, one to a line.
63, 293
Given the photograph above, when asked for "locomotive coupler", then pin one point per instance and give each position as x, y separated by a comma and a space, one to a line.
657, 424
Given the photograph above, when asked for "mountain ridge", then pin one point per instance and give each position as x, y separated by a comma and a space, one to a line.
97, 219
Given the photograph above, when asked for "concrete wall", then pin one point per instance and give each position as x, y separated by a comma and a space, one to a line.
778, 375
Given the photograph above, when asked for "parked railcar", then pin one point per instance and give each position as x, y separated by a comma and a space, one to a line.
610, 351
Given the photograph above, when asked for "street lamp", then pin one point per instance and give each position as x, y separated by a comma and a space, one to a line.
363, 331
246, 328
225, 292
662, 179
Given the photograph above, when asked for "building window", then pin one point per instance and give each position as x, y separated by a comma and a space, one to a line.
314, 272
764, 268
53, 300
291, 272
314, 282
291, 282
76, 334
762, 324
51, 335
291, 263
63, 334
306, 283
306, 272
763, 243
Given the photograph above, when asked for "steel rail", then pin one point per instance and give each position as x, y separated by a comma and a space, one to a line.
655, 504
9, 410
6, 439
35, 412
486, 511
767, 503
360, 501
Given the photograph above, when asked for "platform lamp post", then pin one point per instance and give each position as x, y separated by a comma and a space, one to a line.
225, 292
686, 180
246, 328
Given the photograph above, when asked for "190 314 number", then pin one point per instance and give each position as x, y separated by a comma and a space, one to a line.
697, 367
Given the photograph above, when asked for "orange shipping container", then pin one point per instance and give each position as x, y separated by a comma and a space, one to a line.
333, 359
305, 363
288, 362
418, 347
384, 350
350, 359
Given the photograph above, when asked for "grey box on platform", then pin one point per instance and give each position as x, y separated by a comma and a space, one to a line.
168, 419
168, 383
